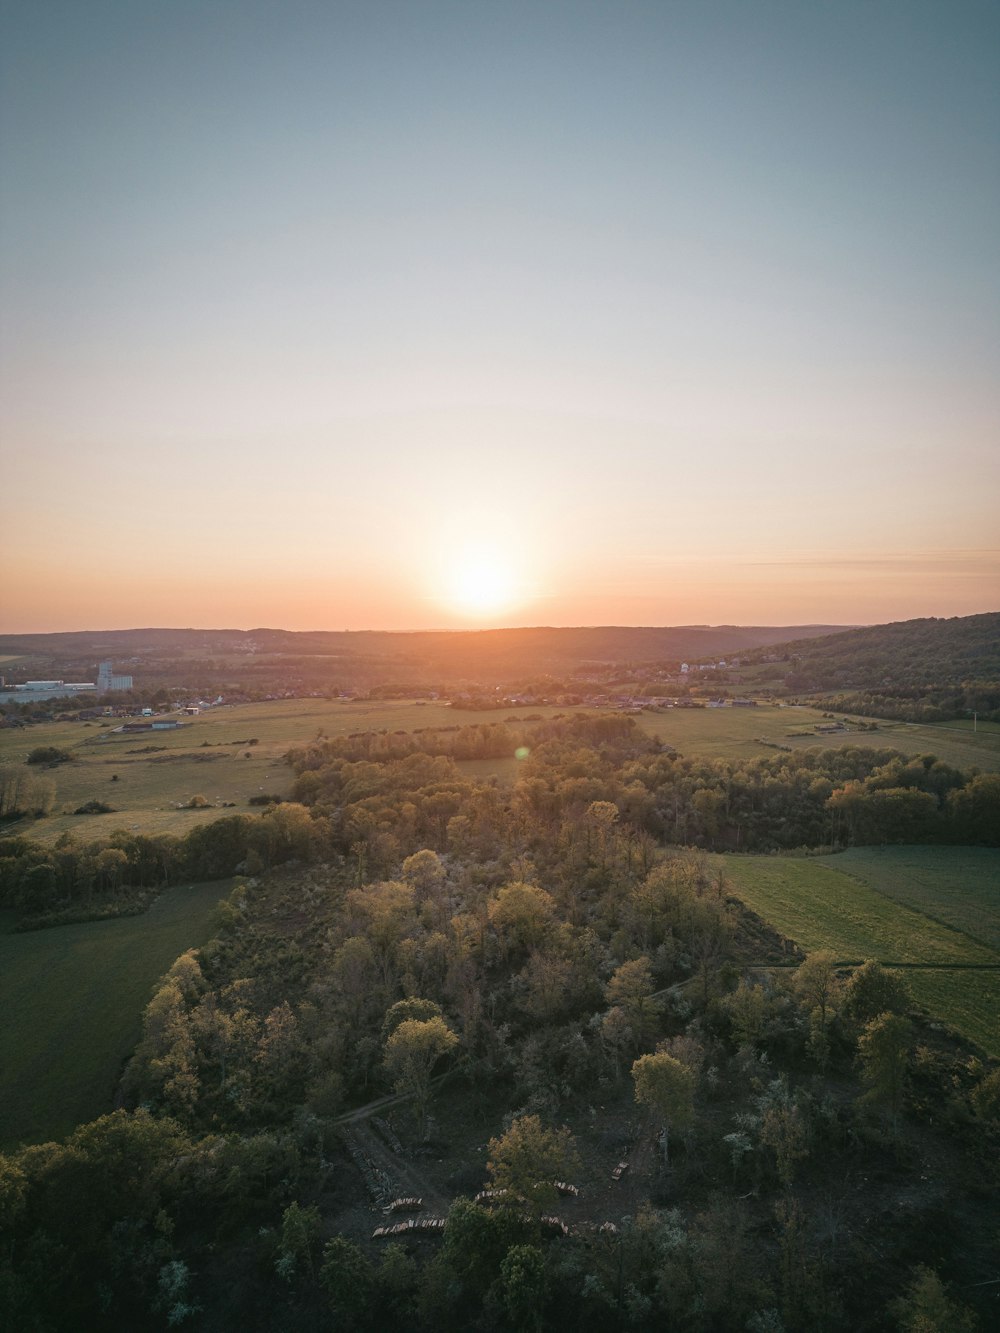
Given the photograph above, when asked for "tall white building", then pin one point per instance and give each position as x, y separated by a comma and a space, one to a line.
106, 682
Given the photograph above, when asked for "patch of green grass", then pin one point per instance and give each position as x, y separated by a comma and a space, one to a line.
823, 908
739, 733
959, 886
72, 1001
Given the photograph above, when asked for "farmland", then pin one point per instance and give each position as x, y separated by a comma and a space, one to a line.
956, 977
959, 886
72, 1000
734, 733
146, 776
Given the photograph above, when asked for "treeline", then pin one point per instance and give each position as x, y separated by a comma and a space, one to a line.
24, 793
71, 881
912, 703
811, 798
485, 740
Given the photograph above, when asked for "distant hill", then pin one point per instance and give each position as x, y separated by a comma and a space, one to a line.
446, 652
918, 670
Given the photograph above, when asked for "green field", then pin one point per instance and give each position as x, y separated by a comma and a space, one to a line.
72, 1001
958, 886
207, 756
823, 907
737, 733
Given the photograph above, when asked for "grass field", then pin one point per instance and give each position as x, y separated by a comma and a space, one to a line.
208, 755
958, 886
737, 733
72, 1000
822, 907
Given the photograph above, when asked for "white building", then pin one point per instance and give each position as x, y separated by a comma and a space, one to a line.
106, 682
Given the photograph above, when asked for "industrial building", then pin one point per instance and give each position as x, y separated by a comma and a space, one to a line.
106, 682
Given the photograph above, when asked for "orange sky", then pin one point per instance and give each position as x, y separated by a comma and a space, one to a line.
406, 316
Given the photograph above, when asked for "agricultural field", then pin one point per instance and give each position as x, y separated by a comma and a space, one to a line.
147, 776
956, 977
958, 886
72, 1000
734, 733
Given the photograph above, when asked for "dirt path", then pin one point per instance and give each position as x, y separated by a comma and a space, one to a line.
406, 1180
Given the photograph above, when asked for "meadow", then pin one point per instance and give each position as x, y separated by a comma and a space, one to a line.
210, 754
72, 1001
736, 733
820, 905
957, 886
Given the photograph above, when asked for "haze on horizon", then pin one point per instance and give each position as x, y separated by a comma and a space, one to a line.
425, 315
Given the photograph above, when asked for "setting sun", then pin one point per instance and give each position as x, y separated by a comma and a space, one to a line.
483, 582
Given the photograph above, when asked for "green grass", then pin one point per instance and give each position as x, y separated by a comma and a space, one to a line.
825, 908
980, 727
958, 886
737, 733
72, 1001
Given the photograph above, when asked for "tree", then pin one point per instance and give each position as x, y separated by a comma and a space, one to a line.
667, 1087
476, 1240
784, 1131
745, 1007
349, 1280
421, 1010
300, 1229
926, 1307
424, 871
528, 1159
630, 989
815, 981
884, 1051
411, 1052
602, 818
521, 913
388, 911
111, 866
873, 990
522, 1286
544, 987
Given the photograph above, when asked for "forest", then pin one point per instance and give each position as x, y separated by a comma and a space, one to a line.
488, 1057
915, 670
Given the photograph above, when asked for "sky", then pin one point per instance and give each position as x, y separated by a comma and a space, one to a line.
404, 315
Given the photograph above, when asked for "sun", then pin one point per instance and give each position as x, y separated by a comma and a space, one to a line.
482, 581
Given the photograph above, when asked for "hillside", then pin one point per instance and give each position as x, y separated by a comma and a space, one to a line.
918, 670
445, 654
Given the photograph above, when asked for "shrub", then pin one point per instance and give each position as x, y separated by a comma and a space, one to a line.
49, 754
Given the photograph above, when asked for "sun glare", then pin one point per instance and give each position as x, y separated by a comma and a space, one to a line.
482, 582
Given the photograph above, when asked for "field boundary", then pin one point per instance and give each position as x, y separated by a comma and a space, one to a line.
920, 911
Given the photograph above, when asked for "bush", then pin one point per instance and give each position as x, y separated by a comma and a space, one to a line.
49, 754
